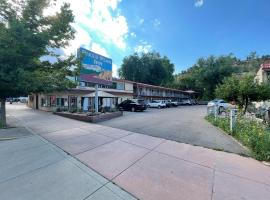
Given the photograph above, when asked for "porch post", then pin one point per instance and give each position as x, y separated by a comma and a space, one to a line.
96, 98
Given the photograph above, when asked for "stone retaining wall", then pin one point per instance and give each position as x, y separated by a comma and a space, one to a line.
86, 118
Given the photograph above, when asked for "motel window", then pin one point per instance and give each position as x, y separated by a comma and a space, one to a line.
45, 101
58, 101
120, 86
61, 102
82, 84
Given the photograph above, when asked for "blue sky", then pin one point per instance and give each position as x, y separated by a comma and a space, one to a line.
183, 30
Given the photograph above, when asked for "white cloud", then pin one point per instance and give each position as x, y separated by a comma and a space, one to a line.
82, 39
115, 70
106, 20
80, 11
95, 47
143, 47
99, 17
156, 23
141, 21
198, 3
133, 35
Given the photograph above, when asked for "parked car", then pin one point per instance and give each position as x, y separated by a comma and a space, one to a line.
185, 102
220, 103
133, 105
193, 101
23, 99
168, 103
175, 103
157, 104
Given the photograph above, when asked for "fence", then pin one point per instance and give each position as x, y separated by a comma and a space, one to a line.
230, 113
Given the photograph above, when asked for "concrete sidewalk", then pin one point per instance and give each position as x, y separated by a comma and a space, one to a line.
31, 168
149, 167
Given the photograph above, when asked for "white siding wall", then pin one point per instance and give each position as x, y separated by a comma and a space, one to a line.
129, 86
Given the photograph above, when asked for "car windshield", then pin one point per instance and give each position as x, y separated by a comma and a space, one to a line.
138, 101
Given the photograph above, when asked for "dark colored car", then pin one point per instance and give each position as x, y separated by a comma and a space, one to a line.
133, 105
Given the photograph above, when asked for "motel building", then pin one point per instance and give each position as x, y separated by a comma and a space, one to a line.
149, 92
82, 98
95, 84
263, 76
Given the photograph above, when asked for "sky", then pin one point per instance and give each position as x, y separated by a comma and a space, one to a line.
183, 30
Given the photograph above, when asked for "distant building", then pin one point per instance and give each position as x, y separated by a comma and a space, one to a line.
263, 75
110, 93
149, 92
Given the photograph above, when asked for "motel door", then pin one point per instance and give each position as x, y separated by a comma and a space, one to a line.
73, 102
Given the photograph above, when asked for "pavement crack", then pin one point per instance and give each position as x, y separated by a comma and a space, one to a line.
213, 184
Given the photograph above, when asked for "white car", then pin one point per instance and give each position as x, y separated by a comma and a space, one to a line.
220, 104
174, 103
185, 102
157, 104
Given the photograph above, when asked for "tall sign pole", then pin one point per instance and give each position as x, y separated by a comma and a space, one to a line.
96, 98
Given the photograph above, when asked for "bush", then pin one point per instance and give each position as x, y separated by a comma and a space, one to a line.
253, 134
223, 123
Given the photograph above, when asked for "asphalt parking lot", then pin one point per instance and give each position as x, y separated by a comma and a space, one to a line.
184, 124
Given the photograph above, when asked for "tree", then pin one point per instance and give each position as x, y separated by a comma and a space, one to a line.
243, 89
26, 36
148, 68
206, 74
169, 69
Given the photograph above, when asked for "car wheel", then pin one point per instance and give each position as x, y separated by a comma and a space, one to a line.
133, 109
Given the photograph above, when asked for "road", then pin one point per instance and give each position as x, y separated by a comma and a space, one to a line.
184, 124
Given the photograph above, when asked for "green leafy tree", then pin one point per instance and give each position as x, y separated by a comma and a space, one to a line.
206, 74
243, 89
148, 68
26, 36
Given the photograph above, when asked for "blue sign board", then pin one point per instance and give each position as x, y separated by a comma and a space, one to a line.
93, 63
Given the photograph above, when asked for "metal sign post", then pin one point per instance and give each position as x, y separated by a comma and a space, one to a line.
215, 111
96, 98
232, 119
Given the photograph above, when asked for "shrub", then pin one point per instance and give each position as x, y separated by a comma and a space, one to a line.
253, 134
223, 123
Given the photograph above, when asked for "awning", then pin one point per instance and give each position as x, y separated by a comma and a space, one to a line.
266, 66
91, 78
100, 94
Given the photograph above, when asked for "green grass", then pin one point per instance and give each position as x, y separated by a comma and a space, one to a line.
252, 134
